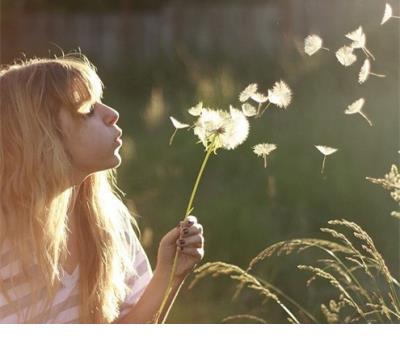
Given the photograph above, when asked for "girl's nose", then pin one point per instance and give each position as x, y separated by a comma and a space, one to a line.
112, 116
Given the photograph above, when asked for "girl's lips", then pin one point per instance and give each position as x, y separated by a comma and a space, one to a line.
118, 141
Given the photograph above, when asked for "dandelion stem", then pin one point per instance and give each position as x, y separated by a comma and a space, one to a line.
366, 118
323, 165
324, 48
188, 210
395, 17
172, 137
368, 53
258, 110
377, 75
265, 108
265, 161
203, 165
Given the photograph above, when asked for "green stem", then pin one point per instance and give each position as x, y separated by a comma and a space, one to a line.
196, 185
277, 290
188, 210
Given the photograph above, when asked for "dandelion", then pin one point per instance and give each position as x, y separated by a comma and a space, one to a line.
359, 41
346, 56
326, 151
280, 94
366, 71
220, 129
356, 108
196, 110
264, 149
215, 129
388, 14
249, 91
178, 125
248, 110
312, 44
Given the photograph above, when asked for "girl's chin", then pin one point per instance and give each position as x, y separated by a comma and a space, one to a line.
117, 159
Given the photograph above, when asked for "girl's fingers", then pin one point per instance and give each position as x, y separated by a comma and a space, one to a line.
189, 231
196, 240
188, 222
193, 252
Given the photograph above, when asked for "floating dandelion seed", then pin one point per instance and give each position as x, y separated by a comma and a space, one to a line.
388, 14
196, 110
356, 108
346, 56
366, 71
359, 41
221, 129
264, 149
258, 97
248, 110
312, 44
248, 92
326, 151
280, 95
178, 125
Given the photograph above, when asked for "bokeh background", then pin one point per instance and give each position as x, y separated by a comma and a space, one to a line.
158, 58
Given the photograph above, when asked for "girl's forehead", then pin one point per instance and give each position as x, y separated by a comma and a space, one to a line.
86, 89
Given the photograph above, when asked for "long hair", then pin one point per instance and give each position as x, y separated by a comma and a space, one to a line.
36, 191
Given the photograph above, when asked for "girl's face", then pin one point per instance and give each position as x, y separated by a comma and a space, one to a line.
91, 140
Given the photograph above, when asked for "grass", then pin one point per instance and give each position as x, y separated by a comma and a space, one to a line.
365, 291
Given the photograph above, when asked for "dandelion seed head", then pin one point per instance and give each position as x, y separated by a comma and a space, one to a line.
250, 90
326, 150
280, 95
312, 44
346, 56
364, 72
236, 129
177, 124
248, 110
196, 110
355, 107
209, 121
225, 130
264, 149
387, 14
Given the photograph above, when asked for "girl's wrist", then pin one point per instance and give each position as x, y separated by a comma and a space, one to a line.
163, 274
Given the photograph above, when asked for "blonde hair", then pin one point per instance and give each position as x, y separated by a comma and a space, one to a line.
36, 190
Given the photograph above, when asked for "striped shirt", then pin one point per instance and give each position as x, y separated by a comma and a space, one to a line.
65, 306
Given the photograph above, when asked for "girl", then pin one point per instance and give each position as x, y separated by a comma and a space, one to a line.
68, 249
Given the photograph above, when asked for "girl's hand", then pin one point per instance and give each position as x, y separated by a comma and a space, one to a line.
188, 238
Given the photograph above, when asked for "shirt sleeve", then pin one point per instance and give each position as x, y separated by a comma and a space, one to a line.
139, 282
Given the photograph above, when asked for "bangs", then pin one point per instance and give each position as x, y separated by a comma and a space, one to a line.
85, 88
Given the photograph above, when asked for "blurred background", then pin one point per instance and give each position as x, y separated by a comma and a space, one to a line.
158, 58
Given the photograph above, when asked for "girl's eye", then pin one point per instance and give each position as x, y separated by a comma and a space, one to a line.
91, 111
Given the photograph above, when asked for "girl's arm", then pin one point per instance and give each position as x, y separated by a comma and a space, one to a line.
188, 238
149, 303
